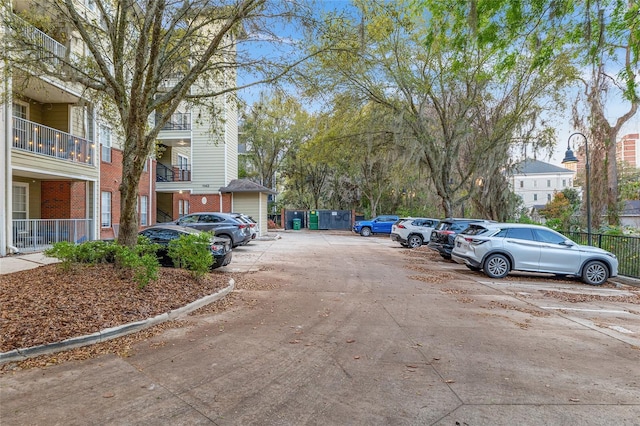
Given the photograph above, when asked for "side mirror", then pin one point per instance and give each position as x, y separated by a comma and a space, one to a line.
568, 243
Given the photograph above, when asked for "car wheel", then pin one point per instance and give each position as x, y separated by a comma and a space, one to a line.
365, 232
496, 266
595, 273
415, 241
473, 268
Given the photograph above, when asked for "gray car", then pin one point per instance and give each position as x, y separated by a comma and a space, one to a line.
223, 225
498, 248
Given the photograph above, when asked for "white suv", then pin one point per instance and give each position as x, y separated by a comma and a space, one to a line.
498, 248
413, 231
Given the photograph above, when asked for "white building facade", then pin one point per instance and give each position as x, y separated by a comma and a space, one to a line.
536, 182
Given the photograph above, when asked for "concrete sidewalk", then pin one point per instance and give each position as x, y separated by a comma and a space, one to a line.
22, 262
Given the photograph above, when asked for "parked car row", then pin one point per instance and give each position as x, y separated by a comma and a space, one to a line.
230, 231
498, 248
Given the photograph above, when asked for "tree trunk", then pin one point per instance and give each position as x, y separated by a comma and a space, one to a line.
613, 213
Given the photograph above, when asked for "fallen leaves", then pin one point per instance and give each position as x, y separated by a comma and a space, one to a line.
47, 305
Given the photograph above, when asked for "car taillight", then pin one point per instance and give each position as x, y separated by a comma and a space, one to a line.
401, 226
474, 241
217, 247
447, 232
242, 226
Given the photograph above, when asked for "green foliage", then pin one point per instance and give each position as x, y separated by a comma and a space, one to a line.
555, 224
192, 252
65, 252
141, 259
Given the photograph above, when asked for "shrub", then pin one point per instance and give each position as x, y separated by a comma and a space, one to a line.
65, 252
141, 259
192, 252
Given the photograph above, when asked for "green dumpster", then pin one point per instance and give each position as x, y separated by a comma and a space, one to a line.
296, 224
313, 220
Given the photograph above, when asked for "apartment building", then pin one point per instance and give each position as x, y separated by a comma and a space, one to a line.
536, 182
628, 149
62, 159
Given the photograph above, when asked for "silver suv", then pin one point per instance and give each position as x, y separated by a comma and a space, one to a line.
498, 248
412, 231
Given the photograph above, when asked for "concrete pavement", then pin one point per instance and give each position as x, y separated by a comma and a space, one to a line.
350, 330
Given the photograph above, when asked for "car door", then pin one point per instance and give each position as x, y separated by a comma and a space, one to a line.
424, 227
524, 248
383, 224
556, 256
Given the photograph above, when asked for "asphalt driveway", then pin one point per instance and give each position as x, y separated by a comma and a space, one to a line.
358, 331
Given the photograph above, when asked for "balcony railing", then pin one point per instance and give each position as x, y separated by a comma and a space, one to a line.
51, 48
178, 121
31, 235
43, 140
174, 173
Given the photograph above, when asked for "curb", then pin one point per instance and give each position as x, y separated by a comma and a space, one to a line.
113, 332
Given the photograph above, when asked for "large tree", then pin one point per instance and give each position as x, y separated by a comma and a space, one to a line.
608, 41
467, 79
133, 48
271, 128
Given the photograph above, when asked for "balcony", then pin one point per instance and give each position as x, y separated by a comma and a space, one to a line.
173, 173
50, 49
30, 235
178, 121
42, 140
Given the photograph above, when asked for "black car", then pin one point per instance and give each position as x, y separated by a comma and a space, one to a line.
162, 234
223, 225
443, 235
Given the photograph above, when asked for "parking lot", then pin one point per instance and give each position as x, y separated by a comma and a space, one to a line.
334, 328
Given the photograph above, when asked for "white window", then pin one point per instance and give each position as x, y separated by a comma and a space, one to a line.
20, 197
20, 110
105, 141
535, 183
180, 208
144, 207
535, 197
548, 197
564, 183
548, 183
186, 206
105, 208
521, 184
91, 5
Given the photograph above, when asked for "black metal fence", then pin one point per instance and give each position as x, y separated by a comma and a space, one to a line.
627, 249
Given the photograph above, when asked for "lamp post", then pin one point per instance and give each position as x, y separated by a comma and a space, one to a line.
569, 158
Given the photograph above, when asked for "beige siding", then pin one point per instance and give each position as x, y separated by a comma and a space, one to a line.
35, 191
208, 161
57, 117
43, 164
253, 204
232, 141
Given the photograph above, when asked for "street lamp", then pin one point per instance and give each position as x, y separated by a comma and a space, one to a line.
569, 158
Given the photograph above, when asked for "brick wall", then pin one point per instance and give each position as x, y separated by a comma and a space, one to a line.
211, 202
63, 200
110, 179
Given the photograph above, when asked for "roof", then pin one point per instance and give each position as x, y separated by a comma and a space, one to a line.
631, 208
245, 185
532, 166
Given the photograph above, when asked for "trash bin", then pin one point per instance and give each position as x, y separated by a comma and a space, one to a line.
313, 220
296, 224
